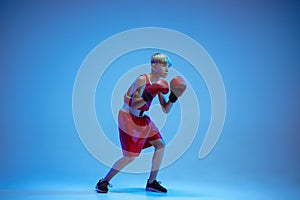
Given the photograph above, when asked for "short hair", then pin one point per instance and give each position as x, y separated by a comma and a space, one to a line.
161, 59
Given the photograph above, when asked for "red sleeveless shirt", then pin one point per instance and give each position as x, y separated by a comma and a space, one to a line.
146, 106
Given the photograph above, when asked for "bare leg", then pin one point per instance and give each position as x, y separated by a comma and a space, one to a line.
118, 166
159, 147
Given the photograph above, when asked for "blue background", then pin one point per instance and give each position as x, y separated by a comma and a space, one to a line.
255, 45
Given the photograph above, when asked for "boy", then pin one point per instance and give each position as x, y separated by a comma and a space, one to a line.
136, 130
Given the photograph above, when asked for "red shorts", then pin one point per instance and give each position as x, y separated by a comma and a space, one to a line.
136, 133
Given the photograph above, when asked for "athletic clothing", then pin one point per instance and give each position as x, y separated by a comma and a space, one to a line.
136, 130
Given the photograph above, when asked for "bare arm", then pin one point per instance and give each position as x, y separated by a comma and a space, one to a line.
166, 106
136, 89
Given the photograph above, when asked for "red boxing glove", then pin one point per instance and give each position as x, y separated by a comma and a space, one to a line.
177, 86
159, 86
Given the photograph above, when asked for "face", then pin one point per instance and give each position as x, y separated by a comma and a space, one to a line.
161, 70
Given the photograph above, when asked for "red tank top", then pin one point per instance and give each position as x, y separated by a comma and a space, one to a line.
146, 106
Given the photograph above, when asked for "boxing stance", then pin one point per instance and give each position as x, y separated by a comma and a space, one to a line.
136, 130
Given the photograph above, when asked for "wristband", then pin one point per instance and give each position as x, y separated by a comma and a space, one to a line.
172, 97
147, 96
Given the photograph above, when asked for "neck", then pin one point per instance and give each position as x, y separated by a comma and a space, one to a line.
153, 78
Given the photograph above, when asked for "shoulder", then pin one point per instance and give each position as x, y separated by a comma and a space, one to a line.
138, 83
141, 80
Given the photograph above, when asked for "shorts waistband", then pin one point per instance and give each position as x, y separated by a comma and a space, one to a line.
137, 113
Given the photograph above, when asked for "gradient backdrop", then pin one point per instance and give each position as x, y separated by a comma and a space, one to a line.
255, 45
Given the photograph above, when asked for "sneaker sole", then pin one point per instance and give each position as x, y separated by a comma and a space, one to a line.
154, 190
100, 191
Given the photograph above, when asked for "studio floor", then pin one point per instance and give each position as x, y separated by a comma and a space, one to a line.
205, 191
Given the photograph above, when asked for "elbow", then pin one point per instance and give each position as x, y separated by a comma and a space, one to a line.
166, 110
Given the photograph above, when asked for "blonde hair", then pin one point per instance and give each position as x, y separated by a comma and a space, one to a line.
161, 59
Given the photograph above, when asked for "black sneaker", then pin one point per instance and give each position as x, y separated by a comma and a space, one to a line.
155, 187
102, 186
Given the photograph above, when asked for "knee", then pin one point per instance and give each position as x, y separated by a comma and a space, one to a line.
159, 145
129, 159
